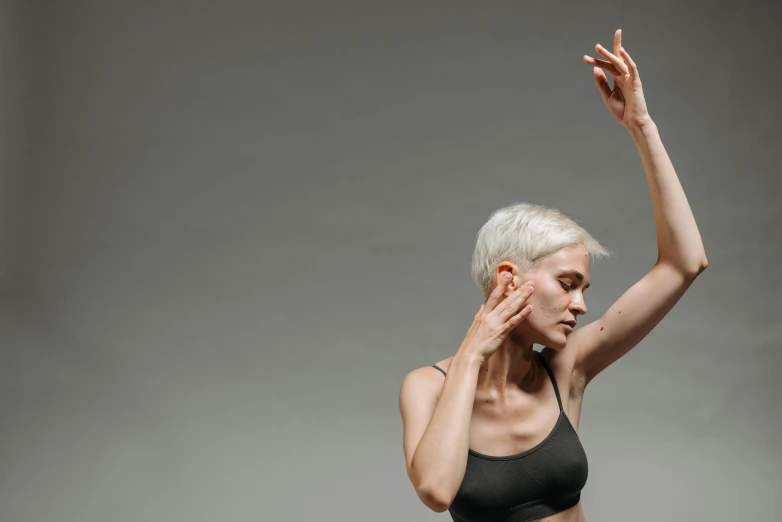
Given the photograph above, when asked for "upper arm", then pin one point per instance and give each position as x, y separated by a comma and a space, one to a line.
602, 342
417, 400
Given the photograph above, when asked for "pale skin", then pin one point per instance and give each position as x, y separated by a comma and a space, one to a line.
496, 399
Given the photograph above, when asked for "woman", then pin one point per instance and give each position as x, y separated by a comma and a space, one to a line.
491, 433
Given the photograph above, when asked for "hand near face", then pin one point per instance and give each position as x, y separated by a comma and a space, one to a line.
495, 319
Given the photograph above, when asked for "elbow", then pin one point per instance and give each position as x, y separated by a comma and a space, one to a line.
689, 269
697, 268
435, 500
434, 492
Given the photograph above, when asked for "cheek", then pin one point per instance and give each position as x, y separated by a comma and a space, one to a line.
542, 315
541, 326
545, 304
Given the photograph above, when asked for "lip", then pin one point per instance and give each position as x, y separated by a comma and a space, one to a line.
568, 325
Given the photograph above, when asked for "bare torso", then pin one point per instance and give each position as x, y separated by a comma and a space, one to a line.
518, 422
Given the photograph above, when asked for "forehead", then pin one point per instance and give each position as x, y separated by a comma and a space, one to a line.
574, 257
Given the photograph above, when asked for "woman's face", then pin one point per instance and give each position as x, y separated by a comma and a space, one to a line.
558, 298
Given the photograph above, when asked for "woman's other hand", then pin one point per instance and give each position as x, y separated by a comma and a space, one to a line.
626, 101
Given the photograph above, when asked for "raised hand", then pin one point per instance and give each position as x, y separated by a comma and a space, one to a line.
626, 101
496, 319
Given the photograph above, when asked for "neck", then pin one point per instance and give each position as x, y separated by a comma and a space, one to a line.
509, 367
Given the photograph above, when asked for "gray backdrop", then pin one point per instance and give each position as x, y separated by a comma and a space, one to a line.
229, 230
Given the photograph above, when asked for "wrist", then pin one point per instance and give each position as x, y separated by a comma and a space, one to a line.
465, 358
642, 129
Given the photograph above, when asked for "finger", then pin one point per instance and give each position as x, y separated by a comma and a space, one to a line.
516, 319
480, 311
631, 64
510, 303
608, 66
602, 84
506, 302
475, 321
618, 62
516, 303
496, 294
617, 41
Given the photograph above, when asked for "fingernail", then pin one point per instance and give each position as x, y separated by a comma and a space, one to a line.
505, 276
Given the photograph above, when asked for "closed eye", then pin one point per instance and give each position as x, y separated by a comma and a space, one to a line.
566, 287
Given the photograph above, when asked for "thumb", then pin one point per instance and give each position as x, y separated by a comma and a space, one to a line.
602, 84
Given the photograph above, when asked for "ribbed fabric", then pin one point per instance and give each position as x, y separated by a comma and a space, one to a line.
541, 481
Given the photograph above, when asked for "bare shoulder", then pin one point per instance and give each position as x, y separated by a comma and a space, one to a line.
422, 385
444, 364
418, 398
426, 380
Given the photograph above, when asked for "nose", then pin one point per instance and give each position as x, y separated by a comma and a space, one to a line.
577, 305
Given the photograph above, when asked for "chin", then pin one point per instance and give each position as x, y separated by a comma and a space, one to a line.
555, 340
556, 346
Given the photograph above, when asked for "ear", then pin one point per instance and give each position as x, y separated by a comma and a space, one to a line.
506, 267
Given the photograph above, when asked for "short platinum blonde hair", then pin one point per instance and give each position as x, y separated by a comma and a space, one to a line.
525, 234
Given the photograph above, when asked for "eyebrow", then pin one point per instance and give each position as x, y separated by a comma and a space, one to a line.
578, 275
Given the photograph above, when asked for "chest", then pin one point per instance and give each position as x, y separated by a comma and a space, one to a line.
546, 478
516, 424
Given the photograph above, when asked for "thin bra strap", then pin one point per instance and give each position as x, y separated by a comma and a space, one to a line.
551, 376
435, 366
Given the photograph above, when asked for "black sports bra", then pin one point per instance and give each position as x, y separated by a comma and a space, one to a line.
541, 481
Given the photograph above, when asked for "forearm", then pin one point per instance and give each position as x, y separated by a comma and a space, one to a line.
440, 459
678, 240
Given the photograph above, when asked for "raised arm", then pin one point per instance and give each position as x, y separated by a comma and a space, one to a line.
681, 255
